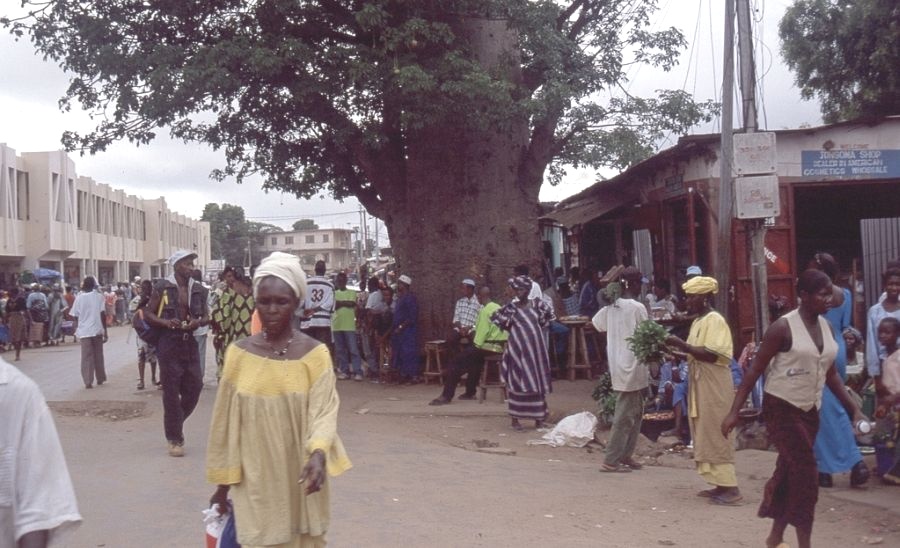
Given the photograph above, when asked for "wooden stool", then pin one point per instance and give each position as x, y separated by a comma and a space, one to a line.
578, 355
434, 366
492, 363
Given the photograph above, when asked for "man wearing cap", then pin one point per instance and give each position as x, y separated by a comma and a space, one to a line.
405, 355
464, 315
178, 307
629, 377
471, 360
318, 306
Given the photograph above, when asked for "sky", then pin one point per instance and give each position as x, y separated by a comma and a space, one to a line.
31, 121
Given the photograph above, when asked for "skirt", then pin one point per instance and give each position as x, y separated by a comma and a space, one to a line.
792, 492
530, 406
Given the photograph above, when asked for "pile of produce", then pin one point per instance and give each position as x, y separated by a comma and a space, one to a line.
648, 342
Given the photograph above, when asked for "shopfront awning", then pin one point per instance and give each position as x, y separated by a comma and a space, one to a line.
597, 204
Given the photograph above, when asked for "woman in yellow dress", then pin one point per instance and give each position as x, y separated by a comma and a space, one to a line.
273, 435
710, 390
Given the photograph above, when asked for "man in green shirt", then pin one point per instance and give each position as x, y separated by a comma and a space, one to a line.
343, 329
488, 340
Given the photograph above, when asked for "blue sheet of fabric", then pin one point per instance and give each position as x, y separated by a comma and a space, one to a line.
835, 447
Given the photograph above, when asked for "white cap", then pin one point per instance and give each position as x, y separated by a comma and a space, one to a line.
137, 278
469, 282
405, 279
694, 270
180, 255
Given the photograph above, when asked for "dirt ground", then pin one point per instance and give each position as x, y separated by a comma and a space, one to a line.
418, 477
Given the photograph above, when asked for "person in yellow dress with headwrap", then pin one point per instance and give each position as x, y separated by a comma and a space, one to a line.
710, 391
273, 437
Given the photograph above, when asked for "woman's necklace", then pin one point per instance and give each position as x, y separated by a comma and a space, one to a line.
275, 351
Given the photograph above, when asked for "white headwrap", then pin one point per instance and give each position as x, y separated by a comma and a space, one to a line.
285, 267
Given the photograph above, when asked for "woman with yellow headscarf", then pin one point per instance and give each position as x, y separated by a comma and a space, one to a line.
709, 348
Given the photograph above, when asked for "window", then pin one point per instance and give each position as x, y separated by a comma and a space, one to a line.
274, 240
324, 238
82, 209
288, 240
23, 197
311, 239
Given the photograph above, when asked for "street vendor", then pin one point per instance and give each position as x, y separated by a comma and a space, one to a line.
710, 390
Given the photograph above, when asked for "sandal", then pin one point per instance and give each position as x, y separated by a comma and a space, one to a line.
709, 493
633, 464
726, 500
615, 468
140, 385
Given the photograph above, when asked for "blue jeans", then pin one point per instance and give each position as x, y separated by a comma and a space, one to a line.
344, 343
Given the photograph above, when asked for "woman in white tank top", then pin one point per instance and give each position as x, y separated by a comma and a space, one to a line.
797, 355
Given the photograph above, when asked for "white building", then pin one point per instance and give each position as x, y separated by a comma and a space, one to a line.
332, 245
52, 218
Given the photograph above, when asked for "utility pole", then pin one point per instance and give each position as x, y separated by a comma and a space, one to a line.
755, 228
726, 183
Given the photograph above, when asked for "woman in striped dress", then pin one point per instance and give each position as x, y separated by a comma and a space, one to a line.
526, 363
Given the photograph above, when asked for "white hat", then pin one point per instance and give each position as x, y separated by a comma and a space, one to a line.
137, 278
405, 279
469, 281
180, 255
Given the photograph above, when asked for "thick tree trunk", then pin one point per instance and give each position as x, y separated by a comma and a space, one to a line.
466, 211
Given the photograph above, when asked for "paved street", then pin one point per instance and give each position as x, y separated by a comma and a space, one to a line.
417, 480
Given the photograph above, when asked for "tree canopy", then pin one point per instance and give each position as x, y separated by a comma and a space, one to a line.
323, 95
846, 53
305, 224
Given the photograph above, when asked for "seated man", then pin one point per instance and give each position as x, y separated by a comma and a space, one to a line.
470, 360
673, 385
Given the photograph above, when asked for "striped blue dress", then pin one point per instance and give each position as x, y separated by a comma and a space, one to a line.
526, 363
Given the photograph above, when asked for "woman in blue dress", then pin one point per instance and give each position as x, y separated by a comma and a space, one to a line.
403, 333
835, 447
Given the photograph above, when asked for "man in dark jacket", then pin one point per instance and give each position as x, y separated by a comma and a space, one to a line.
178, 308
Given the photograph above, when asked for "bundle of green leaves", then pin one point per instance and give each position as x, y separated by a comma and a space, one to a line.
605, 397
648, 342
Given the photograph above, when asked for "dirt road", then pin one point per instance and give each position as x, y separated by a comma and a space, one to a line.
417, 478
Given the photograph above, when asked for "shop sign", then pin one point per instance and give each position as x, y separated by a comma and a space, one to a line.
850, 164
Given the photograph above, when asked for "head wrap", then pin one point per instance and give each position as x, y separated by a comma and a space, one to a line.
853, 332
701, 284
520, 282
285, 267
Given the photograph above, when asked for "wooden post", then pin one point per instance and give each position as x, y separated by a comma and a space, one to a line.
722, 268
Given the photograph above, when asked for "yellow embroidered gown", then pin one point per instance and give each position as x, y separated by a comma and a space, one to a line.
269, 416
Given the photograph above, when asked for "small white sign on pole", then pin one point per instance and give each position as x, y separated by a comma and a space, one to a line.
757, 197
754, 153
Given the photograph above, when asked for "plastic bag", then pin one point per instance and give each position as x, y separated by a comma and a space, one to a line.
220, 529
575, 431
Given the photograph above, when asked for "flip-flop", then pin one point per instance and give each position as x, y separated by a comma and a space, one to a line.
726, 501
633, 464
614, 468
708, 493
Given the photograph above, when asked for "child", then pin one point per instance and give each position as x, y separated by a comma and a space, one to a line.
673, 384
145, 351
888, 410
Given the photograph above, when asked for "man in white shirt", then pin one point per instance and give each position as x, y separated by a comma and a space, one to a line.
89, 312
630, 378
318, 306
464, 315
37, 502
